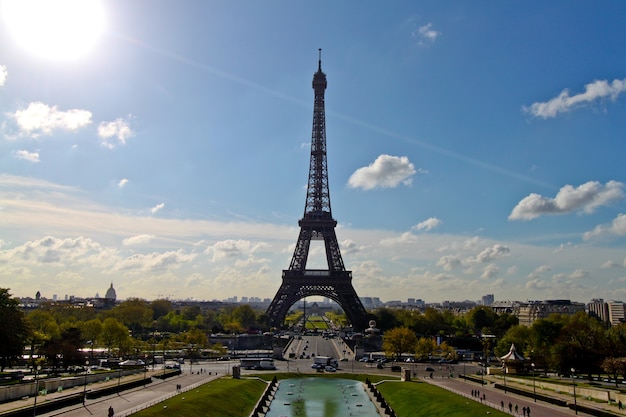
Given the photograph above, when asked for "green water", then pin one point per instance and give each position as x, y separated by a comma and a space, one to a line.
321, 397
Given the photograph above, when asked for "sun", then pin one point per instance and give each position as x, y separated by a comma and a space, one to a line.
54, 29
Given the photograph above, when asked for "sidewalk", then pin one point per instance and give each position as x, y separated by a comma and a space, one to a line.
495, 397
153, 387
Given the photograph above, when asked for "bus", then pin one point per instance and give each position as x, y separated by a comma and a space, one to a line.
257, 363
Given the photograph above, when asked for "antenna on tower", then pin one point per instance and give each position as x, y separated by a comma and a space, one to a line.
320, 59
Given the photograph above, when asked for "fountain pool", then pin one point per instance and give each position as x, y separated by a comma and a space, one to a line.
321, 397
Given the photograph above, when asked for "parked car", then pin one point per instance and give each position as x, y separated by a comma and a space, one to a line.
330, 368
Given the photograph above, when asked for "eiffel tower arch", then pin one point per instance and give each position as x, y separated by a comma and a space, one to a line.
317, 224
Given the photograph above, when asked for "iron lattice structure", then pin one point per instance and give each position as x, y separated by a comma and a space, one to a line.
317, 224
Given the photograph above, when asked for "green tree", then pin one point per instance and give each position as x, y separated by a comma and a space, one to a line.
160, 308
398, 341
425, 347
580, 345
14, 331
481, 320
114, 334
245, 316
43, 329
545, 333
520, 336
134, 313
91, 331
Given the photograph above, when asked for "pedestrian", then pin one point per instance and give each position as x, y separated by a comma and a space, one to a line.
484, 397
619, 404
524, 411
516, 410
528, 411
111, 412
510, 407
502, 405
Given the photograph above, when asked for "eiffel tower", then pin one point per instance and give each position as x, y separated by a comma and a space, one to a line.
317, 224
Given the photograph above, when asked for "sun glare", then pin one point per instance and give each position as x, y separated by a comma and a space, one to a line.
54, 29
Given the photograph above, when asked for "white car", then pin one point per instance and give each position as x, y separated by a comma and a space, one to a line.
330, 368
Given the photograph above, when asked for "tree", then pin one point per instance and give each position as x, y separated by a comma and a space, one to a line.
134, 313
425, 347
481, 320
91, 331
580, 344
14, 331
245, 316
614, 367
519, 336
398, 341
43, 328
114, 334
160, 308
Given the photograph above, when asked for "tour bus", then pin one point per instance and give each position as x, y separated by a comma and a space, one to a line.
257, 363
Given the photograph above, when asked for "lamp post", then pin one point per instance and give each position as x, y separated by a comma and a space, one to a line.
37, 369
574, 387
119, 378
85, 384
504, 368
532, 365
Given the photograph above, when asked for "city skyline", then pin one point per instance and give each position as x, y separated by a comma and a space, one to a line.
472, 148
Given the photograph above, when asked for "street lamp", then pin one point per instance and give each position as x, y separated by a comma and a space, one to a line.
504, 368
532, 365
85, 384
37, 369
574, 386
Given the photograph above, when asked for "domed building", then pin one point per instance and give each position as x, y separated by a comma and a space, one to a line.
111, 294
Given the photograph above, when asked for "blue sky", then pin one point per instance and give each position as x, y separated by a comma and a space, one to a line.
473, 147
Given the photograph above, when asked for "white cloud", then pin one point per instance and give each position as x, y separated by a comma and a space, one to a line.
157, 208
611, 264
428, 224
616, 228
114, 133
490, 271
426, 33
231, 248
3, 74
492, 253
155, 261
122, 183
448, 262
385, 172
587, 197
538, 271
564, 102
27, 156
138, 239
39, 118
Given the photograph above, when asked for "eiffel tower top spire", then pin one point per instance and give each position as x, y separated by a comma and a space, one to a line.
318, 195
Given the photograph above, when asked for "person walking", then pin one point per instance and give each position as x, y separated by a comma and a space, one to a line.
111, 412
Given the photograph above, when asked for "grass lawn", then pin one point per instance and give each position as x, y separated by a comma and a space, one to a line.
420, 399
219, 398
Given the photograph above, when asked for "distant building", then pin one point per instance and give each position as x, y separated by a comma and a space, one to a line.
529, 312
111, 295
599, 309
509, 307
616, 312
487, 300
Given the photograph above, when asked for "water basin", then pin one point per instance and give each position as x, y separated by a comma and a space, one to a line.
321, 397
